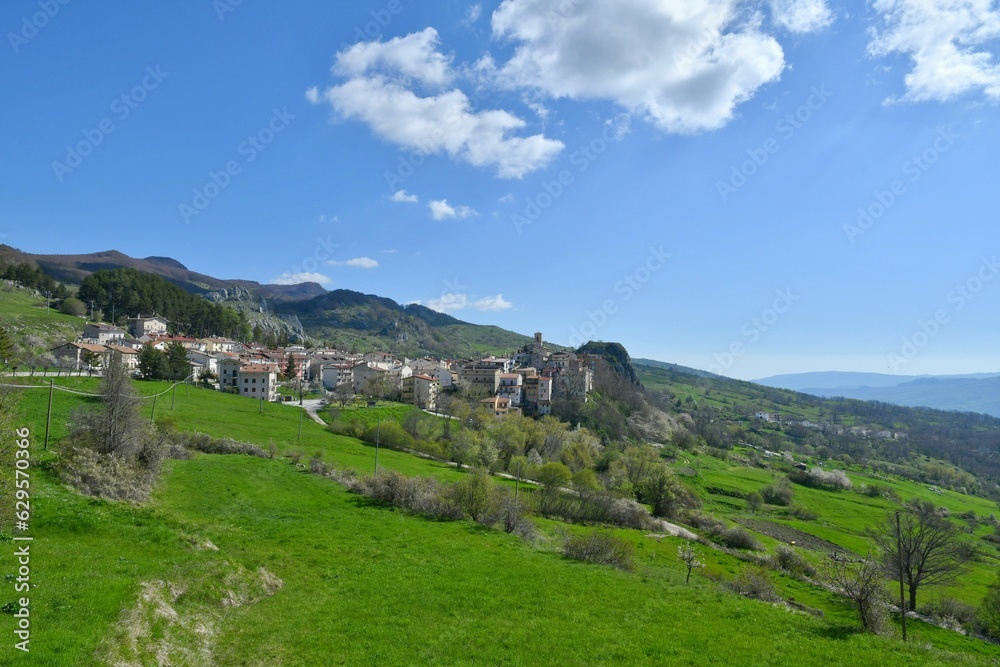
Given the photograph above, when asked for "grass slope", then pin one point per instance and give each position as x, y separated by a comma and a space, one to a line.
23, 315
363, 584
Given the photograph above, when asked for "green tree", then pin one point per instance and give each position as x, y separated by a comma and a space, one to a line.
754, 502
91, 360
152, 363
476, 495
291, 370
72, 306
178, 366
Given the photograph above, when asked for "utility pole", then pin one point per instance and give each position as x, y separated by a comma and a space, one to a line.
48, 417
902, 601
173, 395
517, 482
152, 413
301, 415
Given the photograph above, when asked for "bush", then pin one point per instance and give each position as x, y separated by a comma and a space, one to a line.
755, 582
106, 475
737, 538
423, 495
818, 478
780, 493
803, 513
601, 547
200, 442
951, 613
477, 496
791, 561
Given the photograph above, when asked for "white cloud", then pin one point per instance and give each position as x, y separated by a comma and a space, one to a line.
449, 303
357, 263
414, 57
391, 251
380, 91
328, 218
801, 16
683, 65
507, 198
492, 304
947, 42
452, 302
288, 278
473, 14
442, 210
403, 197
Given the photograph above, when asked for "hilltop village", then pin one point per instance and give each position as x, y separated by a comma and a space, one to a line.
526, 381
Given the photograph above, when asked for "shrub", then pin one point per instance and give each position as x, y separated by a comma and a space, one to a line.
737, 538
803, 513
791, 561
755, 582
476, 495
106, 475
423, 495
780, 493
601, 547
754, 502
822, 479
201, 442
951, 613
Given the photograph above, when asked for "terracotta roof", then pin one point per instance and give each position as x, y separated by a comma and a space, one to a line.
122, 349
259, 368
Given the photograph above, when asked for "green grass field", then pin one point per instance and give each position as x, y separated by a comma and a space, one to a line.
24, 316
365, 584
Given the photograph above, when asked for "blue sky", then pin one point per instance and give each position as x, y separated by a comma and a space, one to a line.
749, 187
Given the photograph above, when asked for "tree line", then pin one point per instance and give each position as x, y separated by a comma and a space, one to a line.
126, 291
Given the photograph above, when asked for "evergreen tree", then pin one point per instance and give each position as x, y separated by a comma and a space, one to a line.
152, 363
178, 366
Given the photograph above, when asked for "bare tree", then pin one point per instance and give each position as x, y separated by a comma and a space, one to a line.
344, 393
863, 583
926, 546
113, 452
120, 426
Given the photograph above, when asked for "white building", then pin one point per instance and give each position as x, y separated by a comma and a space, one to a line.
258, 381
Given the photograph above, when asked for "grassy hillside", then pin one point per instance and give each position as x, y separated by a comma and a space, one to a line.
953, 449
23, 315
244, 561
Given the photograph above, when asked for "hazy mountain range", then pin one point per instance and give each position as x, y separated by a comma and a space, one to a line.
978, 392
